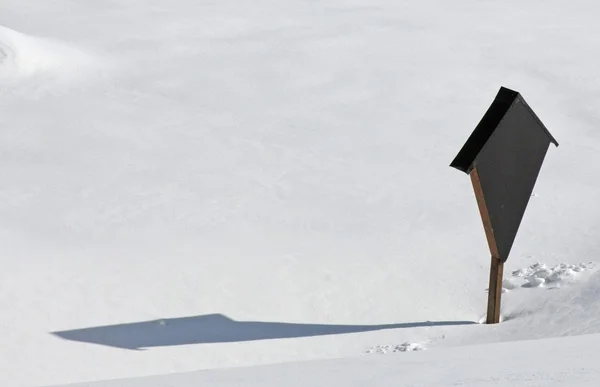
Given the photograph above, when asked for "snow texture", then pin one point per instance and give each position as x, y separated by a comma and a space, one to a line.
404, 347
542, 275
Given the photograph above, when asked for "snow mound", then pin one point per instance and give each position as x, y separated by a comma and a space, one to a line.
24, 57
539, 275
392, 348
574, 310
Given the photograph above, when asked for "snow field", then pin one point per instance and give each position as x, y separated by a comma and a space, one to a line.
270, 180
557, 362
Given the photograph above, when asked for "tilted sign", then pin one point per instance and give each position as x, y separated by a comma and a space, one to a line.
503, 157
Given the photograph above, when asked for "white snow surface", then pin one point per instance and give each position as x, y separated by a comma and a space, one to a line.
514, 364
189, 185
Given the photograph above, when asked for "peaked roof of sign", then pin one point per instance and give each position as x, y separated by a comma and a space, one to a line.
484, 130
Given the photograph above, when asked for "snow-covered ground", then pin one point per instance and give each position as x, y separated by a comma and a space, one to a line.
189, 185
555, 362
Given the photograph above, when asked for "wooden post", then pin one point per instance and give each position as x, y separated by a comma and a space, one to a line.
495, 291
497, 266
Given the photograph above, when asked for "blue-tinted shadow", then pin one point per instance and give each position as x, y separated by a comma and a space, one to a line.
216, 328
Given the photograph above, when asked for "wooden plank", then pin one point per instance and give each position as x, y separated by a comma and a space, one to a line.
497, 265
495, 291
485, 215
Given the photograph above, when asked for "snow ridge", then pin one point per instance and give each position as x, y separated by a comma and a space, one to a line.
25, 57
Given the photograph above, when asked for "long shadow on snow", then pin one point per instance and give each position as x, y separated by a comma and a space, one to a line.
215, 328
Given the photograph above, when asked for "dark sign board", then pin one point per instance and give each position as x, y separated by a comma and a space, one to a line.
504, 155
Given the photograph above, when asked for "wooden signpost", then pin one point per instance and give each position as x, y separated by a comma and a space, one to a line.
503, 157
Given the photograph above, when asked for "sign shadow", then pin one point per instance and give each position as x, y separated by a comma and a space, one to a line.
216, 328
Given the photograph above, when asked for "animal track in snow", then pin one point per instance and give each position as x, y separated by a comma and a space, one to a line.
389, 348
540, 275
